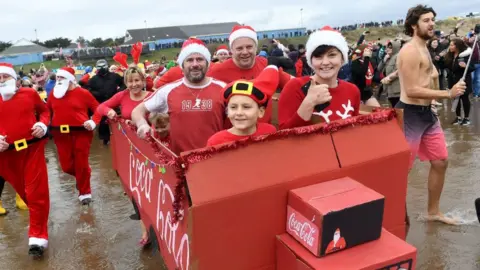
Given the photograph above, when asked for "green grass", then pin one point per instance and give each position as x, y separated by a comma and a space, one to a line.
351, 36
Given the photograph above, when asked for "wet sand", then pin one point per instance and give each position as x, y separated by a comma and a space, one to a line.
103, 236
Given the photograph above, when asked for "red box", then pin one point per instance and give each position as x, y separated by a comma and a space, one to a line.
387, 253
325, 217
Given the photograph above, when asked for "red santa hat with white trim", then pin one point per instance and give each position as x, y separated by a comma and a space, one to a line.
329, 37
191, 46
6, 68
240, 31
61, 87
259, 89
222, 49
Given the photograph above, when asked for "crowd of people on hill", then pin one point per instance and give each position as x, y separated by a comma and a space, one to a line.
353, 27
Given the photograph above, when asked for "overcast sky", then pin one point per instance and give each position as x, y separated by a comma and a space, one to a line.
107, 18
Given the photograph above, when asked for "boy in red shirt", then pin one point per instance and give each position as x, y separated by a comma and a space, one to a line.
246, 103
323, 93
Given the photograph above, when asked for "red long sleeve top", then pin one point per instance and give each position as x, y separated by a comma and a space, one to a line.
20, 113
124, 101
73, 108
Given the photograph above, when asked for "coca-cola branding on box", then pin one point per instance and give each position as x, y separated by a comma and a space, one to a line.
302, 229
333, 216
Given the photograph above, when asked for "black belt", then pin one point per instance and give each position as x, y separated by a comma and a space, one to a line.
22, 144
414, 107
67, 128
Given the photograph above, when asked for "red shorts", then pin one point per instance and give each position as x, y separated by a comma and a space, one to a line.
423, 133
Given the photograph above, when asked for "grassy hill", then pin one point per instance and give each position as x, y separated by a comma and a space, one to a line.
351, 36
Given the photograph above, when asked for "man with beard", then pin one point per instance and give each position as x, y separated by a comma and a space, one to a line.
103, 86
421, 125
23, 126
194, 103
245, 64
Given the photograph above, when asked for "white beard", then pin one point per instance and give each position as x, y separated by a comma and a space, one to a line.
336, 237
61, 88
8, 89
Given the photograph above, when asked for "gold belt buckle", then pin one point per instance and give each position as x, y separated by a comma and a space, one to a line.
21, 144
64, 129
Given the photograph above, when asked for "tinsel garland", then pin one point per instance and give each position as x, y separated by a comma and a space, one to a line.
379, 115
181, 164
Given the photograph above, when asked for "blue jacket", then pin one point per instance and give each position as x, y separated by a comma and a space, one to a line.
49, 86
345, 72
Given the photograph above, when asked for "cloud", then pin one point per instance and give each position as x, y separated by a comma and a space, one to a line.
93, 18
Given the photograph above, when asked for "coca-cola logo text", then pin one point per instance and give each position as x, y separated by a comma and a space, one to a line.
304, 230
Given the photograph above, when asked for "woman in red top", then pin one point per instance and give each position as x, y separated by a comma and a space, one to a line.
127, 99
246, 103
321, 94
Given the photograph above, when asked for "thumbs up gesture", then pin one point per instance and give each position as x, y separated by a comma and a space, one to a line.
318, 93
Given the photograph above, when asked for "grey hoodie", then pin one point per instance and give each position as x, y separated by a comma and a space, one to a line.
390, 66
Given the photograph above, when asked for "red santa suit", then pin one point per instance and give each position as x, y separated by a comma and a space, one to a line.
70, 115
338, 243
23, 163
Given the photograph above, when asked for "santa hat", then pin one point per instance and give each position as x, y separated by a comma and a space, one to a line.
147, 65
260, 89
6, 68
329, 37
223, 48
191, 46
240, 31
67, 73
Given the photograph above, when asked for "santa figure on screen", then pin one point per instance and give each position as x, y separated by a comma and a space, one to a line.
23, 128
72, 128
338, 243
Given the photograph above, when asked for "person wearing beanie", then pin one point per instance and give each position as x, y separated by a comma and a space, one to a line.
363, 72
22, 152
103, 86
322, 94
301, 66
72, 128
246, 102
245, 64
194, 103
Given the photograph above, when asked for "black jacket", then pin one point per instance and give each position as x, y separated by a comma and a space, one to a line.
104, 87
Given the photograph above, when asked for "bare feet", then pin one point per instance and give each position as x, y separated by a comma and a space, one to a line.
441, 218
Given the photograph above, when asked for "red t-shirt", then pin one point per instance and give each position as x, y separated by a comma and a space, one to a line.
19, 114
225, 136
172, 75
124, 101
72, 109
345, 103
228, 72
196, 113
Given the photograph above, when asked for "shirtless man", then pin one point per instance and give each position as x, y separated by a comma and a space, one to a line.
421, 125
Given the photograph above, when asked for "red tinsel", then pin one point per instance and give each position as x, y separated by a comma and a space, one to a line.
180, 164
176, 163
380, 115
